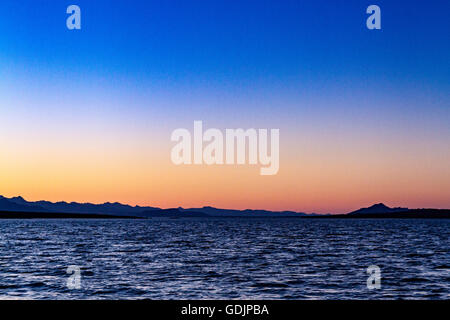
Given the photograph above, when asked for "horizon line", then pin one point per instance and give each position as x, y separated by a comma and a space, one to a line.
214, 207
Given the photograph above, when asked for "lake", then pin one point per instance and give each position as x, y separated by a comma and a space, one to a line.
224, 258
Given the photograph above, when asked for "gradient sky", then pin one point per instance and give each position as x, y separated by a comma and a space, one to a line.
364, 116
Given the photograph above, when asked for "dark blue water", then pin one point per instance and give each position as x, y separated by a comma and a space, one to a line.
224, 259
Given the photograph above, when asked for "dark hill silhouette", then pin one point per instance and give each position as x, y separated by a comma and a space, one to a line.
174, 213
378, 208
215, 212
55, 215
11, 205
20, 206
410, 213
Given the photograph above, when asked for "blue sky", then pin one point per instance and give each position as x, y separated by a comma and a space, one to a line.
234, 48
216, 42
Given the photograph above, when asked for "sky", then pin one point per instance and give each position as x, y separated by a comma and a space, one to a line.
87, 115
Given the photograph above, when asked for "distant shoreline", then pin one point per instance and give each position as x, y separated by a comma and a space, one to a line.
55, 215
19, 208
411, 214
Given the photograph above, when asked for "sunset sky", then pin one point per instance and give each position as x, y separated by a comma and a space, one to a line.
364, 115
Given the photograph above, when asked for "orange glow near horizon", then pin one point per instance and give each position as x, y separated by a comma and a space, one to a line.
337, 180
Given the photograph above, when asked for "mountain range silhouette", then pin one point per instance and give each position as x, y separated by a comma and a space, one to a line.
108, 209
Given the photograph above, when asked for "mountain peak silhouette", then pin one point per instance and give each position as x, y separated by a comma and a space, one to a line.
378, 208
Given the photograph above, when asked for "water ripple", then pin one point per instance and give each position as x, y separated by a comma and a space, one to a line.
224, 258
